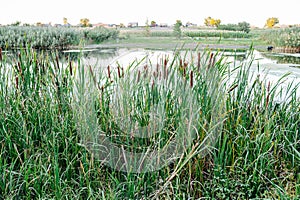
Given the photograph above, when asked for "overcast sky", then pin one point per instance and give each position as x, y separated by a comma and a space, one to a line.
162, 11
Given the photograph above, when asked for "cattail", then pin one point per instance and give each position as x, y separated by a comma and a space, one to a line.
70, 68
191, 78
210, 60
198, 62
152, 86
108, 71
165, 62
180, 63
146, 71
0, 54
122, 71
184, 69
214, 61
165, 72
17, 82
119, 72
139, 76
57, 61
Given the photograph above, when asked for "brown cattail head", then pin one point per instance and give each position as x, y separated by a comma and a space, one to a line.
180, 63
185, 64
139, 76
108, 72
210, 60
17, 82
198, 61
119, 72
71, 68
165, 62
191, 78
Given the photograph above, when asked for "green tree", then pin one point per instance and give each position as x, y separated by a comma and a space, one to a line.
177, 29
17, 23
153, 24
244, 26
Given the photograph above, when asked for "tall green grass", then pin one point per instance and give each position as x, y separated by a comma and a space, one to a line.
256, 153
288, 38
51, 37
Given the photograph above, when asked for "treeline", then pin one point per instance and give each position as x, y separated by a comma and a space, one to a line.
51, 37
241, 26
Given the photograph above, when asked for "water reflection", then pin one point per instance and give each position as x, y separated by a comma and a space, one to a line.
283, 58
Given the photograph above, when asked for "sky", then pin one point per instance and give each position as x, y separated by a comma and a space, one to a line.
255, 12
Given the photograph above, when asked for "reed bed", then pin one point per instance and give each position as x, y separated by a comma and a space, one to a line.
254, 153
285, 40
51, 37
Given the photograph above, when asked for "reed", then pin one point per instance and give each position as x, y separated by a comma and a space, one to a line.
255, 153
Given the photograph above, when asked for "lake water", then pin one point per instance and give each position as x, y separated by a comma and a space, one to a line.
271, 66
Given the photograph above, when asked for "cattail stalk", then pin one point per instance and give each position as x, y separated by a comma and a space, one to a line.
268, 95
198, 61
191, 78
0, 54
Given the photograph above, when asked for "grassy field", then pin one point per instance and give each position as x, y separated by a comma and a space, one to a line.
54, 114
163, 38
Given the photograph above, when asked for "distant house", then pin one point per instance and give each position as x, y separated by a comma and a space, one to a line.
189, 24
113, 25
133, 24
100, 25
163, 25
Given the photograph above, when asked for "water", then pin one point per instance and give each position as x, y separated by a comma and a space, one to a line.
270, 66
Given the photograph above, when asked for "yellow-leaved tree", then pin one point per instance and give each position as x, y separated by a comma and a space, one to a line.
271, 22
65, 20
212, 22
85, 22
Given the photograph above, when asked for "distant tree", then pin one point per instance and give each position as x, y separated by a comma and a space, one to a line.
271, 22
212, 22
122, 25
177, 29
85, 22
244, 26
153, 23
65, 20
17, 23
